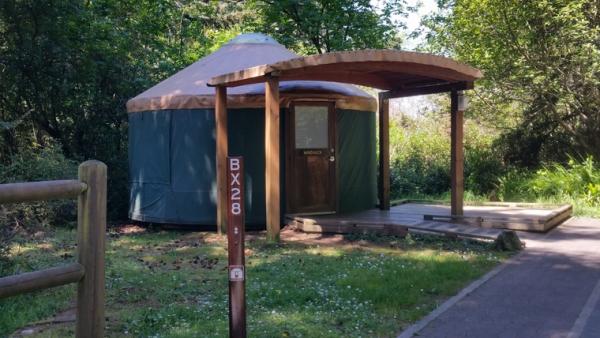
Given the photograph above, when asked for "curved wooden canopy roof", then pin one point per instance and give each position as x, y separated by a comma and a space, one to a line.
381, 69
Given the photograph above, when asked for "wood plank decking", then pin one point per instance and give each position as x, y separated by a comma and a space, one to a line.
479, 222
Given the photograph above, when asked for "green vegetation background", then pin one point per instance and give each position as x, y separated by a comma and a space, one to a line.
420, 169
68, 67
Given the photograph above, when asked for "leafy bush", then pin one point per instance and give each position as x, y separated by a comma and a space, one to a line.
42, 163
514, 186
420, 159
575, 179
576, 182
35, 164
483, 163
420, 168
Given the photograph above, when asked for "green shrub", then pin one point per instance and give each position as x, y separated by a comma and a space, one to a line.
576, 182
420, 168
483, 163
41, 163
35, 164
592, 194
420, 159
575, 179
514, 186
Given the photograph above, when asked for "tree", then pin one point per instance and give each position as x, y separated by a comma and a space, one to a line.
68, 67
320, 26
541, 61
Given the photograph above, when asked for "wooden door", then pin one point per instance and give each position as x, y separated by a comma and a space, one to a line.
311, 158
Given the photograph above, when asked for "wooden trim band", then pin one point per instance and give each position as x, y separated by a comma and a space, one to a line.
247, 101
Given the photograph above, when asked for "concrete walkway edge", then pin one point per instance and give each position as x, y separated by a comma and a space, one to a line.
421, 324
585, 314
550, 289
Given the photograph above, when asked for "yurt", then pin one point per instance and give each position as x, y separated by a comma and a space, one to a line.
328, 162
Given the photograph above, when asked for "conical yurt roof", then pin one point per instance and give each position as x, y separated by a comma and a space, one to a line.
187, 89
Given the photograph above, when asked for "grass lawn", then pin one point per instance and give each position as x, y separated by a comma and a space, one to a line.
174, 284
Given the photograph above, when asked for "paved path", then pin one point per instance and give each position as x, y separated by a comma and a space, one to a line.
552, 289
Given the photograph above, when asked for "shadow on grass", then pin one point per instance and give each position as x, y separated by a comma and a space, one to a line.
175, 284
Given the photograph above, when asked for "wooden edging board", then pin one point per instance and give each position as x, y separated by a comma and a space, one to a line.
448, 229
486, 204
536, 224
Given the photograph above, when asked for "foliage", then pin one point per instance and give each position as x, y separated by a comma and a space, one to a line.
321, 26
420, 157
6, 236
483, 161
514, 186
420, 169
577, 181
293, 289
68, 68
38, 163
541, 61
34, 164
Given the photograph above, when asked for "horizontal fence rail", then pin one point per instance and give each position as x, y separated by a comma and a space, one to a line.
39, 280
88, 272
40, 191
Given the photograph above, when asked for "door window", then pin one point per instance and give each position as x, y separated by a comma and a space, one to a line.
311, 127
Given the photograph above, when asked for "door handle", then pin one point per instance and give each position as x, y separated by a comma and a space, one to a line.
331, 158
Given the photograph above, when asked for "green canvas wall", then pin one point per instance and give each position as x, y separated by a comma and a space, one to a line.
172, 163
357, 160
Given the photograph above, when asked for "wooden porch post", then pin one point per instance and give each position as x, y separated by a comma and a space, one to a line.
457, 154
384, 153
222, 151
272, 158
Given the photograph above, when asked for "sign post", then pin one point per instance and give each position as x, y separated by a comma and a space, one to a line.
235, 246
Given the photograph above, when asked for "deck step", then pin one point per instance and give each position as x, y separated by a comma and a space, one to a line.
316, 225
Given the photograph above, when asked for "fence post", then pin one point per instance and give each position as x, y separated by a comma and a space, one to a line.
91, 232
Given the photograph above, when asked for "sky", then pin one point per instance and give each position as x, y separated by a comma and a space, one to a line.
414, 19
412, 106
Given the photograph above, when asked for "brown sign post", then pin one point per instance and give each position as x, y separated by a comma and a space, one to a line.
235, 246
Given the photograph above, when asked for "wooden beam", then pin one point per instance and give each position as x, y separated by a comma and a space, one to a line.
384, 153
38, 191
426, 90
39, 280
221, 160
456, 156
91, 235
272, 158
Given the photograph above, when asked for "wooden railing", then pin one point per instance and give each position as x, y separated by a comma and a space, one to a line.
88, 272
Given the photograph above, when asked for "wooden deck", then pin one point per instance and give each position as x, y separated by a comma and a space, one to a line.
479, 222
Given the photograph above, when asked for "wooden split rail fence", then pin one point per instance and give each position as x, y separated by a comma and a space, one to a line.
88, 272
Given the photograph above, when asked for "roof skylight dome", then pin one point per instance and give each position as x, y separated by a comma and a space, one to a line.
252, 38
